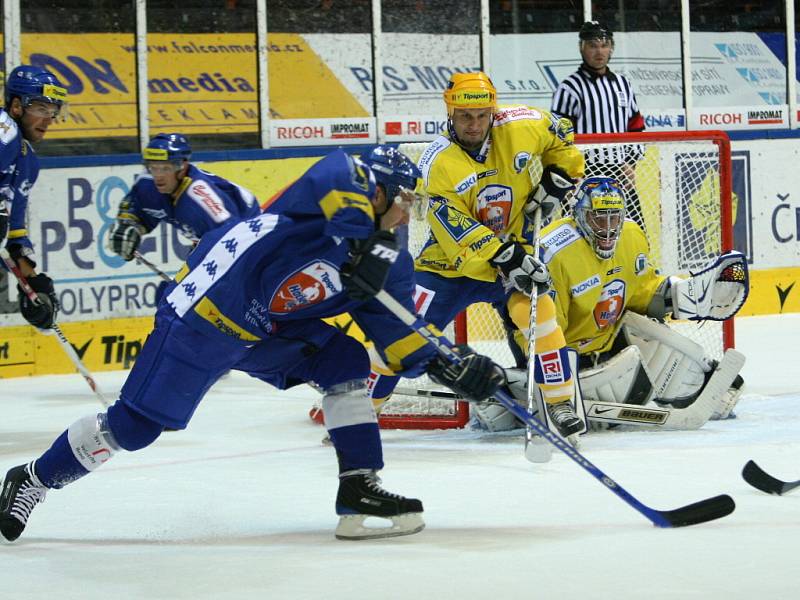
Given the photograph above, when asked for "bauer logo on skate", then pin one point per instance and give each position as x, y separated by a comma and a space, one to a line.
609, 306
316, 282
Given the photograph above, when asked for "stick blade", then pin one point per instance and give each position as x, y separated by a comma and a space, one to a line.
761, 480
699, 512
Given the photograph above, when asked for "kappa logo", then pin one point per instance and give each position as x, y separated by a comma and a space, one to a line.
314, 283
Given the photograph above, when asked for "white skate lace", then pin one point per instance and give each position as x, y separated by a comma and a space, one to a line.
561, 411
373, 482
30, 493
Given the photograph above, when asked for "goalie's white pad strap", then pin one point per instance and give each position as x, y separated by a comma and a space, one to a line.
91, 441
716, 293
617, 379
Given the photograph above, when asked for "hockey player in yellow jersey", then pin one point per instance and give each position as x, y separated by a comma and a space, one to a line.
482, 202
605, 287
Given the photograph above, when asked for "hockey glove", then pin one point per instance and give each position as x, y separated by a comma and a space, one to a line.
371, 260
475, 377
522, 269
40, 314
125, 238
553, 188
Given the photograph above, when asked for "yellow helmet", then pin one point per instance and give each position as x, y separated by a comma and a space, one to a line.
470, 90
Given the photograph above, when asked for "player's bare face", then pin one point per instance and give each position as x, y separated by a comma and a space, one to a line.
36, 119
597, 53
472, 126
399, 212
165, 175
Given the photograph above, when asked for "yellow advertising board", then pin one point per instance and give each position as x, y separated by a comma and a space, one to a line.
197, 83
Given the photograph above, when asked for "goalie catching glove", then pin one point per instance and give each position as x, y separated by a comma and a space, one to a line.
366, 273
522, 269
475, 377
716, 293
553, 188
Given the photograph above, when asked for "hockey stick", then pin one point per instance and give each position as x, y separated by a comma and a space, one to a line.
142, 260
55, 329
536, 449
760, 479
692, 514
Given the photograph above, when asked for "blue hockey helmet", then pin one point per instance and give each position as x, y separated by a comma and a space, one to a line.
393, 170
172, 147
31, 84
600, 213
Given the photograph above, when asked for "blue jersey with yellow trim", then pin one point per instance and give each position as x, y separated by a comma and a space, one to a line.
243, 281
19, 170
202, 202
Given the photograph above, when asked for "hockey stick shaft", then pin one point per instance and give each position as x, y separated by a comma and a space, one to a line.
55, 329
142, 260
705, 510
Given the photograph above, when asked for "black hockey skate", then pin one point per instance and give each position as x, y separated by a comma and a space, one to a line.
22, 491
564, 418
360, 496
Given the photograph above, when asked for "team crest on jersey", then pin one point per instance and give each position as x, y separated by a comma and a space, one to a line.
457, 224
494, 206
315, 282
521, 161
608, 309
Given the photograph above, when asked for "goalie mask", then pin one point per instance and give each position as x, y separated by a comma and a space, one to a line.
600, 213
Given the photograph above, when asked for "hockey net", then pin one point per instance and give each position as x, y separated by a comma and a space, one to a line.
679, 190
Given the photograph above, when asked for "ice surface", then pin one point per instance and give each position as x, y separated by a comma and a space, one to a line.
240, 505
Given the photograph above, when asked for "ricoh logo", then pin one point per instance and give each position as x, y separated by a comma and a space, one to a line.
306, 132
721, 119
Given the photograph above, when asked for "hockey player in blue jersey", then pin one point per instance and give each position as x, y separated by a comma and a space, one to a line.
252, 297
34, 99
176, 191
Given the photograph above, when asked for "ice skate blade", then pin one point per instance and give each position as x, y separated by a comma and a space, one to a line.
351, 527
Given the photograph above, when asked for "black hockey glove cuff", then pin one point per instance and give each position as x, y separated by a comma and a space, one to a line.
366, 273
475, 377
41, 314
553, 188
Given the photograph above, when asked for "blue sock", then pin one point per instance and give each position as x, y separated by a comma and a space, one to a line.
358, 446
58, 466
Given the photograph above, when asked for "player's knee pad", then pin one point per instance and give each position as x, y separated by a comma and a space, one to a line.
131, 430
346, 404
676, 365
91, 441
621, 379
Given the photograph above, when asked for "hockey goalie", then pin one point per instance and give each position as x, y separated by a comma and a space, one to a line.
612, 305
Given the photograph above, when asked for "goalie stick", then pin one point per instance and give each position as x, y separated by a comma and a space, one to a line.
55, 329
761, 480
692, 514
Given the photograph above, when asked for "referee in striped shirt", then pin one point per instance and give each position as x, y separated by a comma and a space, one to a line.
598, 100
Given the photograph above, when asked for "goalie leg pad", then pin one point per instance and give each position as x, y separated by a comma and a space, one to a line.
621, 379
675, 365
